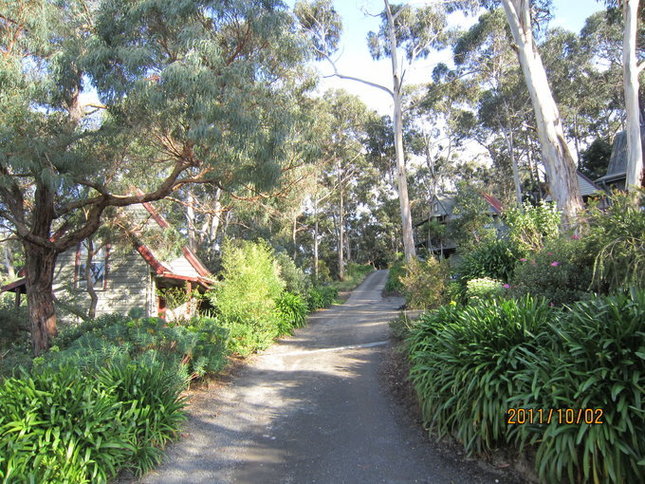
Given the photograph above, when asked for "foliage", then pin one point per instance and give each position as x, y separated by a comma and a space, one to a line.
13, 321
200, 344
63, 425
560, 272
470, 223
295, 280
393, 285
250, 284
595, 159
531, 227
470, 364
292, 312
246, 297
494, 259
425, 282
402, 326
464, 365
177, 296
616, 243
354, 275
204, 92
483, 288
592, 358
321, 297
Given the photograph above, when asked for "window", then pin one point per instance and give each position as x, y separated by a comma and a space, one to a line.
98, 267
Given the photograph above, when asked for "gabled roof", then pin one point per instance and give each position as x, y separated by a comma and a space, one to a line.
445, 205
617, 168
586, 185
186, 267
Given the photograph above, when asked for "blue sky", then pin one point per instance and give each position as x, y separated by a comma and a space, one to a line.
354, 58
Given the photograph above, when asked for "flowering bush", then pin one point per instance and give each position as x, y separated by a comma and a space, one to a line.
561, 272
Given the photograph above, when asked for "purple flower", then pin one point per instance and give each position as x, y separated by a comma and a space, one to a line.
523, 259
506, 286
555, 263
575, 237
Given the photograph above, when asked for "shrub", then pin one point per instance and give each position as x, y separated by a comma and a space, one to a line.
593, 358
321, 297
483, 288
471, 364
559, 272
465, 362
200, 343
616, 243
251, 284
296, 281
292, 310
358, 272
393, 285
494, 259
531, 227
401, 327
424, 283
13, 321
246, 298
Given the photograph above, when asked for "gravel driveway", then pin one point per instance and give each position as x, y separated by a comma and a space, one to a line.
312, 409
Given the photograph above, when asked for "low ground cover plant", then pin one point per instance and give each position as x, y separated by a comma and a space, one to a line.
472, 363
321, 297
66, 425
464, 360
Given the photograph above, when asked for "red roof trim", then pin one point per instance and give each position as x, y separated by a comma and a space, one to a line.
199, 280
189, 254
493, 202
195, 262
149, 257
12, 286
162, 222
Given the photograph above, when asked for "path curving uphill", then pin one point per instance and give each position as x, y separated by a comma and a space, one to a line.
312, 408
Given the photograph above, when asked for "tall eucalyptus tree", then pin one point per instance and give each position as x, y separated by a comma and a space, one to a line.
405, 35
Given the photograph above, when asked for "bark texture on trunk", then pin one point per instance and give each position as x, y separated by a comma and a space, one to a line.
39, 265
401, 172
89, 280
558, 161
631, 85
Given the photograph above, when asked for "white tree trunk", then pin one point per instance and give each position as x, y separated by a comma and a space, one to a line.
558, 160
631, 85
516, 171
341, 227
215, 219
402, 181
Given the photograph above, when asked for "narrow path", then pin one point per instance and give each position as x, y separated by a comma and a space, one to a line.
312, 409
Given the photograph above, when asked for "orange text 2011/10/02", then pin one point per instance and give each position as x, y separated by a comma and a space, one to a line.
568, 416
